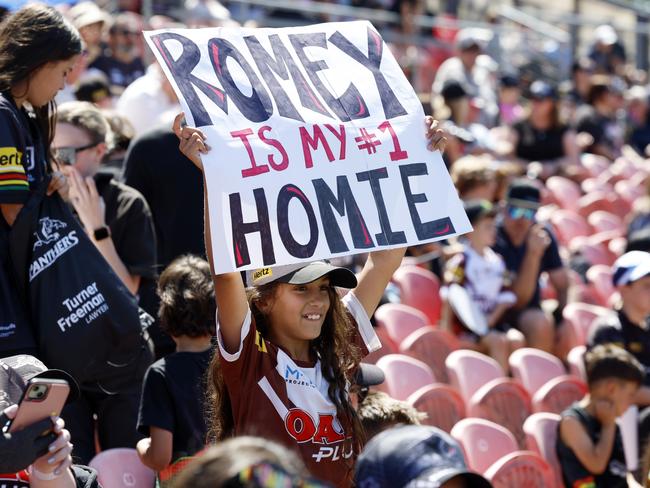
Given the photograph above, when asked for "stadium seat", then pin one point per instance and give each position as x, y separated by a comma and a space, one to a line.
594, 163
557, 394
521, 469
483, 442
387, 346
617, 246
600, 277
569, 225
602, 221
607, 201
593, 252
420, 289
541, 434
594, 184
580, 316
443, 405
564, 191
431, 346
121, 468
533, 368
404, 375
399, 320
576, 361
488, 393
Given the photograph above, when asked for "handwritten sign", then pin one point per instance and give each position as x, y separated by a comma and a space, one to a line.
317, 143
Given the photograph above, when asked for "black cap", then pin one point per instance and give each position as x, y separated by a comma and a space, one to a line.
413, 456
477, 209
509, 80
523, 193
93, 88
639, 240
369, 375
453, 90
540, 89
16, 371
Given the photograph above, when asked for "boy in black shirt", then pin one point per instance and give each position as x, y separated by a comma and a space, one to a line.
171, 409
589, 444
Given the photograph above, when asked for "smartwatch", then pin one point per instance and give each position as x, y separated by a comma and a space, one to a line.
101, 233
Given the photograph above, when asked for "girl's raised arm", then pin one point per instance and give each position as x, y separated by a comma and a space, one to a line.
232, 305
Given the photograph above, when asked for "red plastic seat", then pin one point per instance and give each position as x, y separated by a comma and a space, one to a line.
387, 346
576, 361
443, 405
600, 277
580, 316
533, 368
564, 191
483, 442
569, 225
420, 289
431, 346
557, 394
602, 221
594, 163
120, 468
541, 434
522, 469
593, 252
399, 320
488, 393
607, 201
404, 375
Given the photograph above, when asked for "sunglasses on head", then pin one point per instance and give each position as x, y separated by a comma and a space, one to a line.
68, 155
521, 212
268, 475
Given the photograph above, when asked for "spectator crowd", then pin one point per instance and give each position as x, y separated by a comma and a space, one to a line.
515, 355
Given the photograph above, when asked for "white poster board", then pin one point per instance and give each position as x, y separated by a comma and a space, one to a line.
317, 143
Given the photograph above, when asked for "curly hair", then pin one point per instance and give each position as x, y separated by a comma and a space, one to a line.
334, 347
187, 304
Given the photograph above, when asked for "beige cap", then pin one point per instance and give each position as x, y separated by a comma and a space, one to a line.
86, 13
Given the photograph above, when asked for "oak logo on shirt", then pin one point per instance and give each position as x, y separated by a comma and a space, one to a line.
10, 156
303, 428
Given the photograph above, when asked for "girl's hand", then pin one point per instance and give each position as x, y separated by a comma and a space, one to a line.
436, 137
58, 459
192, 140
59, 183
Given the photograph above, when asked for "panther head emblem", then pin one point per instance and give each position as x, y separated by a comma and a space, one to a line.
48, 231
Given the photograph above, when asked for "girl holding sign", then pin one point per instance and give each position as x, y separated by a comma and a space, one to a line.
289, 346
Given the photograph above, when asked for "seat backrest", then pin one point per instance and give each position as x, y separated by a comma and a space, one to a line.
387, 346
419, 288
521, 469
534, 367
469, 370
593, 252
601, 221
404, 375
122, 468
569, 225
600, 276
564, 191
443, 405
581, 316
432, 346
541, 434
576, 361
484, 442
557, 394
399, 320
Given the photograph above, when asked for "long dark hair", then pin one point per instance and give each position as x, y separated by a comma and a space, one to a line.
338, 356
30, 38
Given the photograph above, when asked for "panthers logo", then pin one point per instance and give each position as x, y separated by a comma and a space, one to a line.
48, 231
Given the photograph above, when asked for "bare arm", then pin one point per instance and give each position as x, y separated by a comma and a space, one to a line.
559, 278
525, 283
375, 275
155, 452
571, 148
10, 211
594, 457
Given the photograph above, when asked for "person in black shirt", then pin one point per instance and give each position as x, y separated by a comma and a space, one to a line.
171, 409
529, 249
541, 137
589, 443
630, 326
38, 50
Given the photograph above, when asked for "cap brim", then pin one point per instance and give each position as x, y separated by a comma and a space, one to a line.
341, 277
516, 202
437, 477
58, 374
369, 375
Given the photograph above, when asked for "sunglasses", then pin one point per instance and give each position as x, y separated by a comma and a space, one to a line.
268, 475
68, 155
521, 212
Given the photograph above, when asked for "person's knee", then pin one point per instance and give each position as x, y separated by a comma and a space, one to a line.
535, 321
496, 342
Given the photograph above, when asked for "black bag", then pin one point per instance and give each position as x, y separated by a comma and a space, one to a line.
87, 322
16, 334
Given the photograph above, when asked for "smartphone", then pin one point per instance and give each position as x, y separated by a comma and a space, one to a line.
43, 398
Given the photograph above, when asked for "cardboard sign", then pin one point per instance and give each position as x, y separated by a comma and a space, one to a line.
317, 143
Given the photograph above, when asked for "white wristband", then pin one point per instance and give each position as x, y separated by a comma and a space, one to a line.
42, 476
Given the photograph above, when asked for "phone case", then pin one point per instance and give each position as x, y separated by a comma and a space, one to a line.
31, 410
